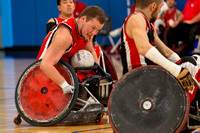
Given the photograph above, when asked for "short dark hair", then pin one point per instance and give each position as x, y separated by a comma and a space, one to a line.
94, 12
58, 2
145, 3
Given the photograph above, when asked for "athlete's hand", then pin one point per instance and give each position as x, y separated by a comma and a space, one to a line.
68, 89
185, 79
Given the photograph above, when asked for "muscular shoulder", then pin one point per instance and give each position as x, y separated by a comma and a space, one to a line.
63, 34
136, 20
135, 23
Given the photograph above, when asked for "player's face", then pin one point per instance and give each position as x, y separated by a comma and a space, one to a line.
155, 13
171, 3
67, 7
90, 28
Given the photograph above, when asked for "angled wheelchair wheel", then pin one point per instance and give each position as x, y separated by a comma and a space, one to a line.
40, 101
148, 100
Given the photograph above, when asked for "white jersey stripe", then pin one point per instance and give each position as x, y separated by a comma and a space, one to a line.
48, 42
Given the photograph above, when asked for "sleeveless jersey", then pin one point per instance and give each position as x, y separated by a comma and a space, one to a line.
170, 16
58, 20
130, 57
78, 42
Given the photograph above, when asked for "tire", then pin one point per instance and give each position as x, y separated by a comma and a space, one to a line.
148, 99
39, 100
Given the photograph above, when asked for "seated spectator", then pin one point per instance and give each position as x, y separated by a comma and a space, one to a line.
181, 29
170, 17
159, 24
171, 14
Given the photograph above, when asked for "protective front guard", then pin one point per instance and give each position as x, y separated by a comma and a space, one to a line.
148, 100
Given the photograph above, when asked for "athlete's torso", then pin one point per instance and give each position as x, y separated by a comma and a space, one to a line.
78, 42
170, 16
130, 57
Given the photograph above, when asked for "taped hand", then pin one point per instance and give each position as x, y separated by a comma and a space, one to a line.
185, 79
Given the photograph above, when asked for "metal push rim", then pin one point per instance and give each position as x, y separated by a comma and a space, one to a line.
58, 117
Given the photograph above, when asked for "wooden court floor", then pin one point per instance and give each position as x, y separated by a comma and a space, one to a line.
11, 67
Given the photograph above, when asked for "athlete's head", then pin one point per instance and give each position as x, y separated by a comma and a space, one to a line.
66, 7
92, 20
153, 5
171, 3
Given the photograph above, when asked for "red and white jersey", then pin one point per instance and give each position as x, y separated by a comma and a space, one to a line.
170, 17
130, 57
78, 42
58, 20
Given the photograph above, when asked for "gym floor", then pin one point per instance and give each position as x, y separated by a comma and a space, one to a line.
12, 66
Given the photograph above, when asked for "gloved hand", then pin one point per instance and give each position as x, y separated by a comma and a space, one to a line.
68, 89
185, 79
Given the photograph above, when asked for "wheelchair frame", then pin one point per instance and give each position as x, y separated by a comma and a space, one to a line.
90, 109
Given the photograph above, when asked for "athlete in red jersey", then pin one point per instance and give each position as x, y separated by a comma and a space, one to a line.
140, 42
130, 57
171, 14
68, 37
66, 8
78, 42
184, 27
170, 18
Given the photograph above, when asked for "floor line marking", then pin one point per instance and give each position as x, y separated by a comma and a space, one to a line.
92, 130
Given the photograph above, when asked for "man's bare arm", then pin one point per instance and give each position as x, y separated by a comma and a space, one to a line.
61, 41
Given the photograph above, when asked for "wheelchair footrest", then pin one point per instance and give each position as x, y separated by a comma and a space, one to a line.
88, 112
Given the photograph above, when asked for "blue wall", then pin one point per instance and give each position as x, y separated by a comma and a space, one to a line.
29, 20
180, 4
6, 23
24, 21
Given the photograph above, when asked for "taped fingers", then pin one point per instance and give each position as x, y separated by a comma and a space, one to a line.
185, 79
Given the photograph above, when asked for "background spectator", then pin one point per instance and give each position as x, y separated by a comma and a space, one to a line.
66, 8
181, 29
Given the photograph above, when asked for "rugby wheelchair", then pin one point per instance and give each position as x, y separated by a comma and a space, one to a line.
150, 100
41, 102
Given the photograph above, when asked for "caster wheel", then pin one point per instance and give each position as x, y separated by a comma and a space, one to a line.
17, 120
99, 119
